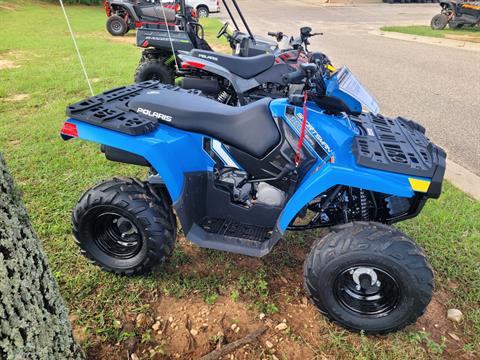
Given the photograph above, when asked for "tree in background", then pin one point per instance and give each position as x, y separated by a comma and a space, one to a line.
33, 318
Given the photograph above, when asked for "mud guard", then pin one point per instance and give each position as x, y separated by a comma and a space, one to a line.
321, 178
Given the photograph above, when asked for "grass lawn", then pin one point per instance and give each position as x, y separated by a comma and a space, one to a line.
466, 34
113, 316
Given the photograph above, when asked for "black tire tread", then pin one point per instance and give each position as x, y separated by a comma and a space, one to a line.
444, 23
145, 63
132, 194
118, 18
372, 235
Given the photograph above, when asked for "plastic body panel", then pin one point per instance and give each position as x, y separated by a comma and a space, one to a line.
338, 133
128, 6
170, 151
159, 38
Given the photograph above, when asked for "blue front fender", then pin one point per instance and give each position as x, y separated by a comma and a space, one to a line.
324, 176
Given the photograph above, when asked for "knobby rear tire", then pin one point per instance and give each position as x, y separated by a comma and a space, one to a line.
150, 212
154, 69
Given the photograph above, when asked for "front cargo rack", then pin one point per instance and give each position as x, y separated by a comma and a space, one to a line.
396, 145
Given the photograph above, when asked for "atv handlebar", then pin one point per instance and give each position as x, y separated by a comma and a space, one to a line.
294, 76
277, 35
306, 70
305, 33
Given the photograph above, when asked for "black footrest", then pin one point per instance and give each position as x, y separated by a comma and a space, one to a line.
228, 235
229, 228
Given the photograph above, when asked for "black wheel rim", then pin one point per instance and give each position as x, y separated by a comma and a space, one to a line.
116, 235
366, 290
116, 26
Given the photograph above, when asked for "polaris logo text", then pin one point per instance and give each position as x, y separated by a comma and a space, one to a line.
154, 114
208, 57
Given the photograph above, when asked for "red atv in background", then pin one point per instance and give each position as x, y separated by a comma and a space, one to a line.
124, 15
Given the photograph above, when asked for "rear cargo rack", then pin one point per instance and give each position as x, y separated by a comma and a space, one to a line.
110, 110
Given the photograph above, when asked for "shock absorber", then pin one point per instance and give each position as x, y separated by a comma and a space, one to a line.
364, 205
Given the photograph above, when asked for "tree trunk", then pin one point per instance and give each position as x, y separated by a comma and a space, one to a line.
33, 318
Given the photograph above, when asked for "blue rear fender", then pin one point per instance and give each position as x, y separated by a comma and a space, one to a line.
170, 151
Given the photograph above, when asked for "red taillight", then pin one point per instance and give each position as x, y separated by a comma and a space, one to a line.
189, 64
177, 8
69, 130
145, 44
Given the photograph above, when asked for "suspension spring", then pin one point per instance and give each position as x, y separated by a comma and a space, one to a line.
222, 96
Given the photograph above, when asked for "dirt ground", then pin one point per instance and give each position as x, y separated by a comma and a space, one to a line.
189, 328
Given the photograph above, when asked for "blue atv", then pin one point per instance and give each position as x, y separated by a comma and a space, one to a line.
238, 178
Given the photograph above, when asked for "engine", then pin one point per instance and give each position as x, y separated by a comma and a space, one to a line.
246, 192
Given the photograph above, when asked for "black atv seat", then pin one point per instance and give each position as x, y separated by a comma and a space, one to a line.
249, 128
245, 67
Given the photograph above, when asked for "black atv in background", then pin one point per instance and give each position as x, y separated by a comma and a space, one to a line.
157, 39
256, 69
456, 15
125, 15
162, 43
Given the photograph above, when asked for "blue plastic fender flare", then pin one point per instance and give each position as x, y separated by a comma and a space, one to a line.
321, 178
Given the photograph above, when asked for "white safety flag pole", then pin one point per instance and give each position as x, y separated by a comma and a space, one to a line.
76, 48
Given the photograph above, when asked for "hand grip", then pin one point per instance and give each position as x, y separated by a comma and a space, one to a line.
293, 76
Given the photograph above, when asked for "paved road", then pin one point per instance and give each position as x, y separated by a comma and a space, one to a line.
437, 86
